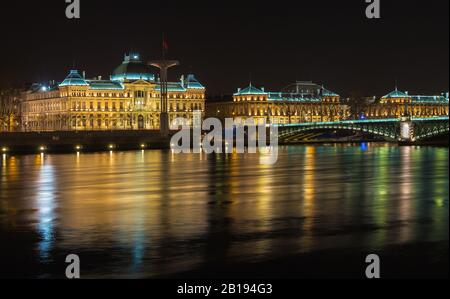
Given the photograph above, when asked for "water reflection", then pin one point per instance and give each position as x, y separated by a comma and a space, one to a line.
405, 189
309, 191
45, 203
152, 213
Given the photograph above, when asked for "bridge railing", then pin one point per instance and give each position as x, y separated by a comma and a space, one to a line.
362, 121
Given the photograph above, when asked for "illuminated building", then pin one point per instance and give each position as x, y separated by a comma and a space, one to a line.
397, 104
297, 103
129, 100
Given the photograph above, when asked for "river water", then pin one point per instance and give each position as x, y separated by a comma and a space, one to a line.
151, 214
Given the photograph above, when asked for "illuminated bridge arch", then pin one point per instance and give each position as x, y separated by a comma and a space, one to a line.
430, 128
389, 129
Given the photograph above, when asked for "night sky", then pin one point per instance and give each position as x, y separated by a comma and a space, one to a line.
228, 43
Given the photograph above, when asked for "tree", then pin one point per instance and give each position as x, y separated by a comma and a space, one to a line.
10, 109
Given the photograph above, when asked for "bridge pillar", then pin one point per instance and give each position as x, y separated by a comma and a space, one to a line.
406, 129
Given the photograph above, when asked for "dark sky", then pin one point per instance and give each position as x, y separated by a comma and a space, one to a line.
227, 43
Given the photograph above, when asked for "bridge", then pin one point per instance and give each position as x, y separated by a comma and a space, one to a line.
405, 129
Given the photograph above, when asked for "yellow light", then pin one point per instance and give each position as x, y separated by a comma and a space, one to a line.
42, 148
111, 146
78, 147
4, 149
142, 145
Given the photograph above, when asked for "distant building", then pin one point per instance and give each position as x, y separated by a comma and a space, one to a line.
297, 103
397, 104
129, 100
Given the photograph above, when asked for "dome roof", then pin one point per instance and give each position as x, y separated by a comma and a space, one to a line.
74, 79
193, 83
396, 94
328, 93
250, 90
132, 68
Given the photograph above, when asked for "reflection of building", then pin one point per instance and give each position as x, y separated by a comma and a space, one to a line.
299, 102
129, 100
397, 104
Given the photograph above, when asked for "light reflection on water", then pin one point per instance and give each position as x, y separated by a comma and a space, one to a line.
45, 204
152, 213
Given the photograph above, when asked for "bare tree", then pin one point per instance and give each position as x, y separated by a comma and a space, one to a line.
10, 109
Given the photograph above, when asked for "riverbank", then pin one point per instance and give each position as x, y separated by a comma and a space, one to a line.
439, 143
32, 142
95, 141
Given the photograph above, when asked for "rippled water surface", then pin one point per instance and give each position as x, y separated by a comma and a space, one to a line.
155, 214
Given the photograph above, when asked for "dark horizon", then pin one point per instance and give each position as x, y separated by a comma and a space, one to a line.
227, 45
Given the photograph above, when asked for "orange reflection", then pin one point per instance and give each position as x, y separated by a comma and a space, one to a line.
309, 190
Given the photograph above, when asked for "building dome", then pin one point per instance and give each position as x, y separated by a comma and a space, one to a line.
74, 79
250, 90
132, 68
396, 94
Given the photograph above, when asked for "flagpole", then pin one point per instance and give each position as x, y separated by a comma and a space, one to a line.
163, 46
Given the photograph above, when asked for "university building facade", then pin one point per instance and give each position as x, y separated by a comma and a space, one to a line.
129, 100
297, 103
398, 104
